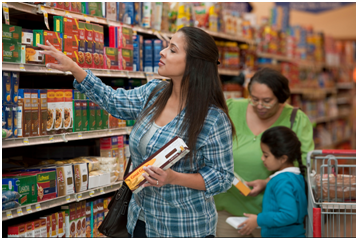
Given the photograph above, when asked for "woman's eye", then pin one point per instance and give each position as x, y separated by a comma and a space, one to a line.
172, 50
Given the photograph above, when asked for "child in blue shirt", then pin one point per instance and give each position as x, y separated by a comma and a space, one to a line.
284, 205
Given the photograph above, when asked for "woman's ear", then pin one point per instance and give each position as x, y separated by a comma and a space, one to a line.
284, 159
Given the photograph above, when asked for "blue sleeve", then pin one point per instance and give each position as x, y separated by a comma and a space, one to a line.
219, 164
287, 203
121, 103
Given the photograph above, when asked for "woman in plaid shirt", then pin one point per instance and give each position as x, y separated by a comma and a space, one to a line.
177, 202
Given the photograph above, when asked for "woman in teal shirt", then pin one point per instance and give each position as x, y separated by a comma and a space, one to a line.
264, 109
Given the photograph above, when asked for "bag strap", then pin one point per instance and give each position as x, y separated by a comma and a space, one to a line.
128, 166
293, 116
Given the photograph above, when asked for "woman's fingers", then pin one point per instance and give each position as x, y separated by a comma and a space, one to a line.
55, 66
151, 173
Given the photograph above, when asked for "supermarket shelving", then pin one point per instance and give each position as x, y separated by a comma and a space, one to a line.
343, 100
328, 118
59, 201
64, 137
345, 85
312, 90
229, 72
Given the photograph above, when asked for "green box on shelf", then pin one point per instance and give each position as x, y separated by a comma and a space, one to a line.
11, 52
99, 121
58, 24
105, 117
92, 8
91, 115
77, 112
84, 112
11, 33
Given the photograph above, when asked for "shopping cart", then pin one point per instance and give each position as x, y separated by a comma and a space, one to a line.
331, 177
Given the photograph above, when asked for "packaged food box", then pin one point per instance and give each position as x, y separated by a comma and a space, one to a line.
27, 113
91, 111
60, 103
65, 25
68, 110
73, 55
11, 52
88, 219
80, 176
109, 147
51, 111
27, 37
147, 15
148, 56
7, 117
100, 215
124, 37
157, 48
18, 231
137, 53
101, 47
81, 44
65, 182
30, 230
105, 119
96, 46
20, 112
55, 38
156, 16
23, 54
24, 184
34, 56
6, 87
137, 20
37, 228
89, 47
111, 58
70, 216
104, 178
60, 5
46, 185
67, 6
113, 36
125, 60
111, 11
98, 117
125, 12
77, 112
240, 184
11, 33
83, 219
70, 43
61, 224
42, 96
113, 122
78, 219
34, 113
54, 226
43, 227
164, 158
94, 222
92, 8
14, 120
15, 77
85, 112
47, 219
93, 179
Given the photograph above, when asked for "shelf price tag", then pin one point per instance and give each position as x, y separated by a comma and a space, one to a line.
19, 212
38, 207
80, 135
110, 131
28, 209
52, 11
109, 72
26, 141
50, 138
22, 67
79, 197
86, 18
91, 193
67, 14
68, 198
95, 19
5, 9
9, 214
45, 17
101, 191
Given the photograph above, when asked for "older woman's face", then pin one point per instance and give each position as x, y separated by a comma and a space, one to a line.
265, 103
173, 58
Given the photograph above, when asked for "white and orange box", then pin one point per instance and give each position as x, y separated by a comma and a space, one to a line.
240, 184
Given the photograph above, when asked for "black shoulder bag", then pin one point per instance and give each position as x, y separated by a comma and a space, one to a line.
115, 223
293, 116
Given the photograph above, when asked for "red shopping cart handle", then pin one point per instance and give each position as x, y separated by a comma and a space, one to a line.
339, 151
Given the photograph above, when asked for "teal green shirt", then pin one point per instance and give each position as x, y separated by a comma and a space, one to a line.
247, 155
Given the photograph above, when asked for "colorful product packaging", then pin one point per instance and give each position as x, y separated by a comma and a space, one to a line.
89, 47
124, 37
14, 120
65, 182
111, 11
91, 115
51, 111
100, 215
26, 119
59, 112
125, 12
137, 20
43, 228
80, 172
11, 33
15, 79
125, 59
78, 219
11, 52
42, 96
111, 58
6, 87
77, 112
105, 116
88, 219
83, 219
157, 47
85, 112
18, 231
34, 113
97, 46
148, 56
24, 184
137, 53
55, 38
27, 37
33, 55
92, 8
68, 111
98, 117
46, 185
101, 47
30, 230
61, 224
81, 44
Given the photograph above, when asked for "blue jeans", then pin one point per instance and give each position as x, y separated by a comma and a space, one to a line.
139, 231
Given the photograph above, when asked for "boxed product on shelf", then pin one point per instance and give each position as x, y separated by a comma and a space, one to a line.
46, 184
125, 12
78, 219
137, 19
89, 45
65, 182
51, 111
111, 11
23, 54
11, 33
77, 111
47, 220
34, 113
105, 117
70, 219
15, 79
37, 228
85, 112
92, 8
94, 222
147, 14
68, 110
124, 37
61, 224
26, 116
33, 55
55, 38
96, 46
113, 36
6, 87
81, 43
24, 184
156, 15
121, 157
11, 52
88, 232
101, 46
109, 147
43, 227
59, 112
125, 59
110, 58
100, 215
91, 115
148, 55
137, 53
27, 37
65, 25
70, 43
73, 55
18, 231
14, 120
54, 226
98, 117
112, 121
157, 48
30, 230
83, 218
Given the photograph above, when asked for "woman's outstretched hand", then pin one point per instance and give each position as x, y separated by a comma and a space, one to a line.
64, 63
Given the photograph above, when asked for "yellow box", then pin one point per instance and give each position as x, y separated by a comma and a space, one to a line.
239, 183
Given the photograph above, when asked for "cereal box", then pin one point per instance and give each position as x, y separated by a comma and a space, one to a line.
65, 25
137, 20
98, 117
11, 52
124, 37
137, 53
34, 113
111, 11
51, 111
85, 112
100, 215
89, 50
37, 228
92, 8
80, 172
125, 12
59, 116
96, 46
27, 113
78, 219
104, 119
81, 44
83, 219
27, 37
68, 111
101, 47
46, 185
15, 77
30, 230
157, 47
70, 219
70, 43
88, 219
111, 58
148, 55
11, 33
43, 227
125, 59
18, 231
65, 183
61, 224
6, 87
54, 226
113, 34
42, 96
77, 111
94, 223
91, 110
33, 55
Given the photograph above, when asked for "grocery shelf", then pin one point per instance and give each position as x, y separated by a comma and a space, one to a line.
335, 144
59, 201
64, 137
328, 118
345, 85
344, 100
312, 90
229, 72
274, 56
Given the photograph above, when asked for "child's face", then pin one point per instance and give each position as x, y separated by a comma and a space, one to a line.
269, 160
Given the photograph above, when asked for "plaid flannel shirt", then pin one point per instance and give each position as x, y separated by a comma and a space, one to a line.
171, 210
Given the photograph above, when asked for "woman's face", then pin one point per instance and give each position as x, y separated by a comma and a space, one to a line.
173, 58
261, 95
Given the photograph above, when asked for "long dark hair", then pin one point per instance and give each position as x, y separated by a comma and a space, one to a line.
274, 80
200, 86
283, 141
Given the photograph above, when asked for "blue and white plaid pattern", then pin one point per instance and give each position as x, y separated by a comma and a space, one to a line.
171, 210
